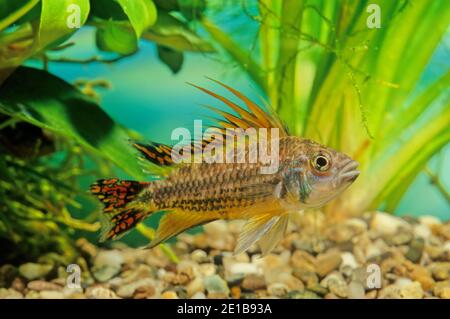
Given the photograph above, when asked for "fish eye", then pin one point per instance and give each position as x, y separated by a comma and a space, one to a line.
321, 163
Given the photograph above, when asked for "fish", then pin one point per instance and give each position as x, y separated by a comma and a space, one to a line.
192, 194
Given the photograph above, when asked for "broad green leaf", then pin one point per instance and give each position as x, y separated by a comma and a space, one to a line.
55, 105
60, 18
172, 58
173, 33
116, 37
108, 9
141, 13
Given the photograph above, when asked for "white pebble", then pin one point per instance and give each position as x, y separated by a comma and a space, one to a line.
356, 290
348, 260
422, 231
386, 224
429, 221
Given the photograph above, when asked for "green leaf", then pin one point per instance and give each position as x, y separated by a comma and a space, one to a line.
167, 5
192, 9
116, 37
172, 58
55, 105
141, 13
15, 11
59, 19
173, 33
107, 9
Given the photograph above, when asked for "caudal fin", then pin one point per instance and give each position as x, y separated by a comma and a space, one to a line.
116, 194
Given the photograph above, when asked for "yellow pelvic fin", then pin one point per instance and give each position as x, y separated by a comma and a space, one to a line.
175, 222
276, 233
255, 227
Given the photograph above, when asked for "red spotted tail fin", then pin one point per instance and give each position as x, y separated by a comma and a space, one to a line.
115, 194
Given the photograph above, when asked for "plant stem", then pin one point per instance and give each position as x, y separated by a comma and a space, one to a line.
9, 122
93, 59
435, 180
13, 17
236, 52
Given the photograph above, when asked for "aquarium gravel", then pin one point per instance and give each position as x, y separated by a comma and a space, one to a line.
373, 256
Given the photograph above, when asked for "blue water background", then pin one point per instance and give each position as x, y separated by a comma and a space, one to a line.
146, 97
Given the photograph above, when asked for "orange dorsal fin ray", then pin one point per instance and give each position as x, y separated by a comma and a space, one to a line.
255, 117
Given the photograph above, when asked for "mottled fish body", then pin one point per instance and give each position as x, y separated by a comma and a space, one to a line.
308, 175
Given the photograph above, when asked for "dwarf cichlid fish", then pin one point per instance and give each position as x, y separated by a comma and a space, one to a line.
191, 194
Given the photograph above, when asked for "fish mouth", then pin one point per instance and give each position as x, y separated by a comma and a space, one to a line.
349, 172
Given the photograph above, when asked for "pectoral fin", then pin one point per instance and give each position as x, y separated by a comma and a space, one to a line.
175, 222
270, 239
253, 230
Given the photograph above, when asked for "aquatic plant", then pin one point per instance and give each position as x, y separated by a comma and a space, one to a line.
333, 78
43, 117
329, 76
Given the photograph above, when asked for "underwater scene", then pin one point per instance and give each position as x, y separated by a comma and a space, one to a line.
224, 149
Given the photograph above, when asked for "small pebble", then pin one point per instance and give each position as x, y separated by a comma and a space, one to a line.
328, 262
356, 290
32, 271
253, 282
277, 290
169, 294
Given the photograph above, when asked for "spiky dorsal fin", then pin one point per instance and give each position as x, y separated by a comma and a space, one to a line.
156, 153
255, 117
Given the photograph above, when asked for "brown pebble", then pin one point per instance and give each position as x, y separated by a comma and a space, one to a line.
18, 284
372, 294
420, 274
253, 282
144, 292
236, 292
328, 262
41, 285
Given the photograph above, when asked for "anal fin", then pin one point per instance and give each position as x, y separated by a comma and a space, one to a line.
175, 222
